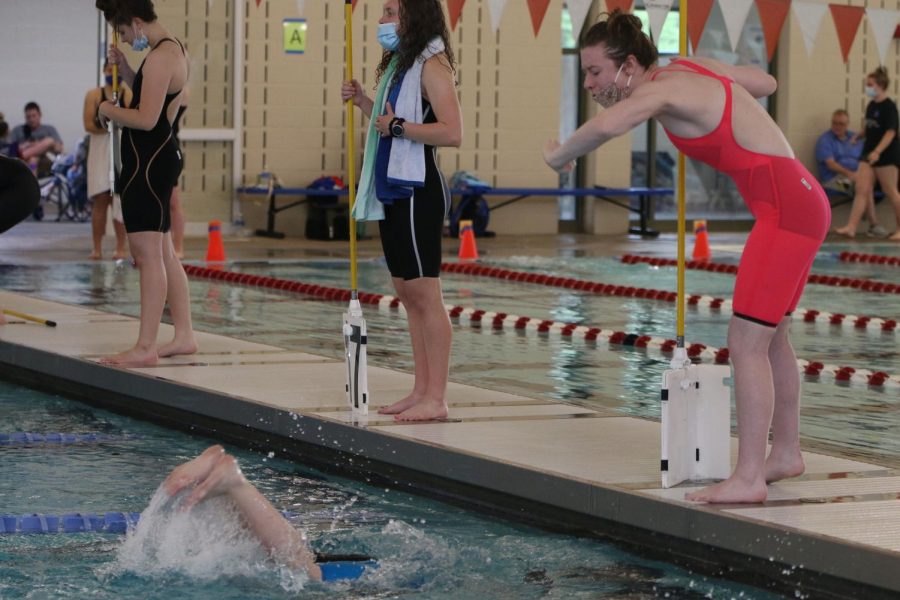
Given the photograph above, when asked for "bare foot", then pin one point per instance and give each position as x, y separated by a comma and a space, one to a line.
783, 467
193, 471
895, 237
399, 407
132, 358
731, 491
120, 255
224, 476
426, 410
95, 255
178, 347
179, 255
846, 232
2, 319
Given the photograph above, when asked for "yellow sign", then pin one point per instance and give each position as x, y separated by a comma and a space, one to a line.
294, 36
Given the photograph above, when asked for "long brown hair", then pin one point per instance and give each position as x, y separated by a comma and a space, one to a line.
622, 35
420, 22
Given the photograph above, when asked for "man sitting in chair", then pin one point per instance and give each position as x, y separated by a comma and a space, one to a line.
838, 152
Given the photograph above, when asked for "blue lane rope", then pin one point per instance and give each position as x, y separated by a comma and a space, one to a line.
111, 522
18, 438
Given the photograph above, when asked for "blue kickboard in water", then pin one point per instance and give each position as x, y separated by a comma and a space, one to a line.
344, 570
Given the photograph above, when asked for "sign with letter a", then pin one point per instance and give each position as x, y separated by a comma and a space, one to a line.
294, 36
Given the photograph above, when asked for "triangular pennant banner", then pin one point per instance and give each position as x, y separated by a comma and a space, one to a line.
578, 12
657, 11
735, 13
354, 4
454, 8
809, 18
496, 7
623, 5
772, 14
883, 23
257, 3
301, 7
846, 21
538, 10
698, 13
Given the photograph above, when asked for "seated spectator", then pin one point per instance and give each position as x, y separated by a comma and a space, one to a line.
36, 141
838, 152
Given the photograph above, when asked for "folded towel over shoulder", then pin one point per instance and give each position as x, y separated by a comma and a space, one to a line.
407, 159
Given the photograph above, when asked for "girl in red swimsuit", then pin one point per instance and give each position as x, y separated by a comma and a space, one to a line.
710, 112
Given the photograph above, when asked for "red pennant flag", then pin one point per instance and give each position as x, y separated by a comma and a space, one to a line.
257, 3
624, 5
454, 7
354, 4
698, 13
846, 21
538, 10
772, 14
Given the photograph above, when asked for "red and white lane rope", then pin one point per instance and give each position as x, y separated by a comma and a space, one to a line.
856, 321
877, 259
863, 285
500, 320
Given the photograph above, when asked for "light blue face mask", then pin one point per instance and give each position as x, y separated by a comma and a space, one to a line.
387, 36
140, 43
871, 92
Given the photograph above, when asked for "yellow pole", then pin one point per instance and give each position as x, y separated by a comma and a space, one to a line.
351, 151
15, 313
115, 73
682, 210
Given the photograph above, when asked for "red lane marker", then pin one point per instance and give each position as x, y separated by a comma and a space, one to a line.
866, 285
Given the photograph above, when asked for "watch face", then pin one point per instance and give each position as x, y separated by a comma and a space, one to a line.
397, 129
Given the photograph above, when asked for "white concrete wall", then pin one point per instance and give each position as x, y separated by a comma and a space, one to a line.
48, 53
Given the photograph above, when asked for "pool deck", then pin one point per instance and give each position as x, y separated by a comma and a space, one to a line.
834, 532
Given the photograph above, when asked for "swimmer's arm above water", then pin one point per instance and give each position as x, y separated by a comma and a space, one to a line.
646, 102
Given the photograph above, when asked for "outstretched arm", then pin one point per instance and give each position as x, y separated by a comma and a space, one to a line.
646, 102
217, 473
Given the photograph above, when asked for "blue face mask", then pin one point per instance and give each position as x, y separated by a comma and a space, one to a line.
387, 36
871, 92
140, 43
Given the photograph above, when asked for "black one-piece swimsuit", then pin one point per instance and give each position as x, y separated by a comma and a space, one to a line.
151, 164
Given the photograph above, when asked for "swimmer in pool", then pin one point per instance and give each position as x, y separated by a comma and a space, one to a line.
216, 473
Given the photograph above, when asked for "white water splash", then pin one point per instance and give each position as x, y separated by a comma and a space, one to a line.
207, 542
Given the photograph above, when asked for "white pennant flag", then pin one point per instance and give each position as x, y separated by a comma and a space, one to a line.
735, 13
578, 11
883, 23
496, 7
809, 18
301, 7
657, 11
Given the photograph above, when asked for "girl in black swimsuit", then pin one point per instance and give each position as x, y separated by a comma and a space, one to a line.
151, 163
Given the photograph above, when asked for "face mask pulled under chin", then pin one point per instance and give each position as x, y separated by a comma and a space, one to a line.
140, 42
611, 93
388, 37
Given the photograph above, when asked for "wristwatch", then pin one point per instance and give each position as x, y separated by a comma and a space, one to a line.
396, 127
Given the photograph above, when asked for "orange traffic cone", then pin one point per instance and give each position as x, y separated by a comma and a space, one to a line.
467, 248
701, 242
215, 250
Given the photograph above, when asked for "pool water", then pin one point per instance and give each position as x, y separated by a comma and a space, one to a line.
856, 421
425, 549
